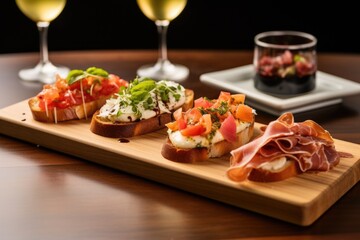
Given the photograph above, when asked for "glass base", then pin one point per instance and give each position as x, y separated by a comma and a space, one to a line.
164, 71
45, 73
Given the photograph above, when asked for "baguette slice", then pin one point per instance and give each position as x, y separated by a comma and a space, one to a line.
192, 155
290, 169
131, 129
57, 115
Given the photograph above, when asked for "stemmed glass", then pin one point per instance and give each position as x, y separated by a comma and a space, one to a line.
162, 12
42, 12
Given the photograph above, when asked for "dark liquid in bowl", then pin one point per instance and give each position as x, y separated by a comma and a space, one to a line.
285, 86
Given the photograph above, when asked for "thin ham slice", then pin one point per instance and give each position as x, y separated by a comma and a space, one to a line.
307, 143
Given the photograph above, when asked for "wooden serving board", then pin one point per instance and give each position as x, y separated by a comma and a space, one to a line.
299, 200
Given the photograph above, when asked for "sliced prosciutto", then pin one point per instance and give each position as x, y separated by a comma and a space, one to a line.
306, 143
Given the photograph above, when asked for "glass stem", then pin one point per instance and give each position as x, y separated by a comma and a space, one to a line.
162, 26
43, 30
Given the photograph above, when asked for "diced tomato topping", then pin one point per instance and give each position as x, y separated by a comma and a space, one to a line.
224, 96
202, 102
62, 95
173, 126
244, 113
64, 103
193, 115
238, 98
228, 129
193, 130
61, 84
181, 123
206, 121
225, 111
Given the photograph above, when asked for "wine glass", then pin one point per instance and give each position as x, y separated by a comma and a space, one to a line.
162, 12
42, 12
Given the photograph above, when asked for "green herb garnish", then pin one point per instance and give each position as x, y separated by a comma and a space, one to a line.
299, 58
76, 74
144, 94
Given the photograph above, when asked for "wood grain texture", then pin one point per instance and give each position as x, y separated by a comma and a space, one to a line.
300, 200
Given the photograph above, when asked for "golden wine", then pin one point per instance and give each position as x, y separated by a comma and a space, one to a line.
41, 10
161, 9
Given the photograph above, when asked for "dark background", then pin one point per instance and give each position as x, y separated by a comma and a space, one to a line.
204, 24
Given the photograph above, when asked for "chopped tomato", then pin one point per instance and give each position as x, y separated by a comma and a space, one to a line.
224, 96
49, 94
61, 84
238, 98
173, 126
64, 103
62, 95
244, 113
193, 130
233, 109
179, 124
206, 121
228, 129
202, 102
193, 115
210, 115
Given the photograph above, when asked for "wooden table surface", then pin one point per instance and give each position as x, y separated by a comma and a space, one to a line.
49, 195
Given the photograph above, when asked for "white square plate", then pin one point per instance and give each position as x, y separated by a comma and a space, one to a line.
329, 90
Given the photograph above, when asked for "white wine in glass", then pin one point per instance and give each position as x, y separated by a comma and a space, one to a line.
162, 12
42, 12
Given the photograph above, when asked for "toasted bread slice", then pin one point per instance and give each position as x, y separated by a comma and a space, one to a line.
191, 155
290, 169
58, 115
131, 129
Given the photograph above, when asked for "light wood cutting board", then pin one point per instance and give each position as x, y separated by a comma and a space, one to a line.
299, 200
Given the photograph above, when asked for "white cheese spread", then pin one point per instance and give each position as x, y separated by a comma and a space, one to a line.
165, 97
181, 141
273, 166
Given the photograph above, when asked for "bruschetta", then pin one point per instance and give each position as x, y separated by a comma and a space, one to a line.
77, 96
145, 106
212, 128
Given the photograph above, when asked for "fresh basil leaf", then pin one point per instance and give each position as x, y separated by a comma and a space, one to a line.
139, 96
74, 75
147, 85
97, 72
